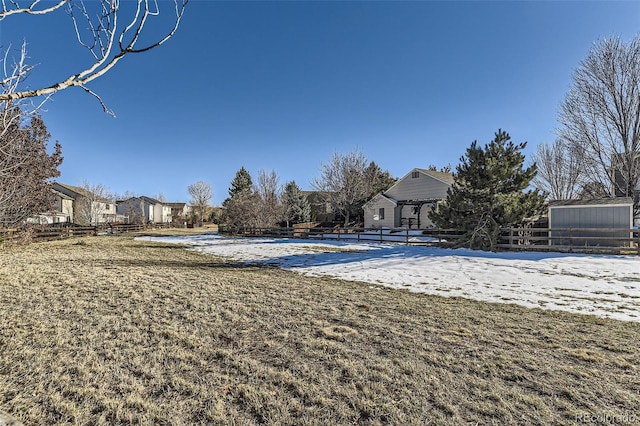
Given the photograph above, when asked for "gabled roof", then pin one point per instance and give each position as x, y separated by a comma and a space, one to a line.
79, 191
151, 200
75, 189
62, 195
176, 205
381, 195
126, 200
442, 176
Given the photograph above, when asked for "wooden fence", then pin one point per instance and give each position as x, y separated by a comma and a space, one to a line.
571, 240
592, 240
48, 233
399, 235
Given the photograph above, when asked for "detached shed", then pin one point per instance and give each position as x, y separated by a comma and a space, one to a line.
603, 222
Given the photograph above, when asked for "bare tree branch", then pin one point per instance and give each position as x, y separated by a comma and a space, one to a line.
561, 174
14, 8
107, 42
343, 182
201, 193
600, 116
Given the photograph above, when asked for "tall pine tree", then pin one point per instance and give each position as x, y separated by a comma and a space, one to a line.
296, 205
240, 209
489, 193
241, 183
378, 180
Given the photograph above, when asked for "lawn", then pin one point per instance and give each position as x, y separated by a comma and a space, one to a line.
108, 330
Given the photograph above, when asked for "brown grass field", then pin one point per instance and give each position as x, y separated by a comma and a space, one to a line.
108, 331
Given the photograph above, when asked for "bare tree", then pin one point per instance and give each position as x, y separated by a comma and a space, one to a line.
268, 188
109, 30
601, 115
560, 172
95, 205
26, 169
343, 181
201, 193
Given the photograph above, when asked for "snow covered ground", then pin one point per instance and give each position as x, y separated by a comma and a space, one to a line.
603, 285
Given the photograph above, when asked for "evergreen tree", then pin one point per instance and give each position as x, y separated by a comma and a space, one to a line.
296, 205
488, 193
378, 180
241, 183
241, 206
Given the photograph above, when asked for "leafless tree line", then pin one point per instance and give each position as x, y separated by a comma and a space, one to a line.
598, 149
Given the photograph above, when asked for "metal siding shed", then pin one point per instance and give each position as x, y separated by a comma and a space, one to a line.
604, 213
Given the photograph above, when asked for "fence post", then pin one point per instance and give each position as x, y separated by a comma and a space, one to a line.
380, 234
570, 240
407, 231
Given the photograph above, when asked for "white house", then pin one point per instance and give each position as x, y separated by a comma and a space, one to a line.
161, 211
408, 202
85, 207
179, 211
144, 210
61, 211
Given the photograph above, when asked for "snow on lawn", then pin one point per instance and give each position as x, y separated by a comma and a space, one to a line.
603, 285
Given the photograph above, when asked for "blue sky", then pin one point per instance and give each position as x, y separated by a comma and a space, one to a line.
283, 85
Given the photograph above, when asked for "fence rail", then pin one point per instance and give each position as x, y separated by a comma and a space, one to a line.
49, 233
401, 235
607, 240
534, 239
595, 240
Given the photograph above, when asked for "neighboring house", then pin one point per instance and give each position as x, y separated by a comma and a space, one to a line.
144, 210
321, 210
591, 215
61, 212
161, 210
86, 208
179, 211
134, 210
408, 202
63, 205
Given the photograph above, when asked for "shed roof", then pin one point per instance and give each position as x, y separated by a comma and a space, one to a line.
609, 201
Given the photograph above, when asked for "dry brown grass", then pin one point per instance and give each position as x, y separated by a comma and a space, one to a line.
107, 330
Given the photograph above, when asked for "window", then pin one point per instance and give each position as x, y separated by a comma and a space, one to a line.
381, 213
415, 175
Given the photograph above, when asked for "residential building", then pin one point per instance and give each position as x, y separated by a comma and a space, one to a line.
408, 202
144, 209
86, 207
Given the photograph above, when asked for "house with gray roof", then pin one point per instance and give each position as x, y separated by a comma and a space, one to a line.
408, 202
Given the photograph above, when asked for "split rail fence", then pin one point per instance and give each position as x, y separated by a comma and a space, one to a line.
49, 233
573, 240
